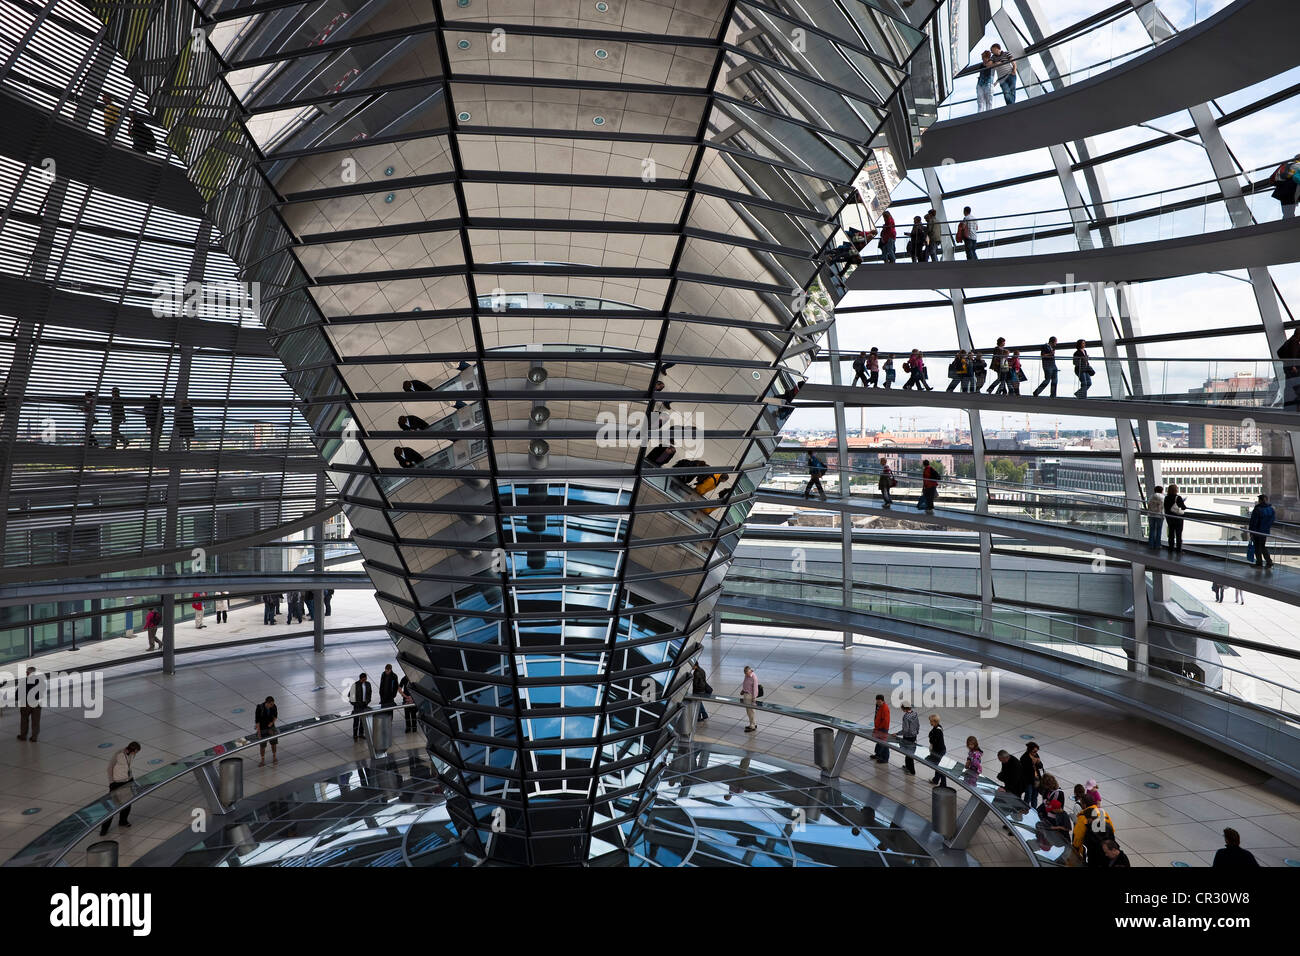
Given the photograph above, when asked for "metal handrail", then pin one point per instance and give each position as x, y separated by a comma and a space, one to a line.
184, 768
960, 777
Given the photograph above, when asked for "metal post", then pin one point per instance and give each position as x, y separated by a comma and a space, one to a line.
169, 633
846, 481
1140, 617
380, 738
230, 781
943, 811
824, 748
318, 622
102, 853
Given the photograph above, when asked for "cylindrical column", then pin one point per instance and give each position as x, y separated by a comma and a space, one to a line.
230, 781
824, 748
381, 731
686, 719
102, 853
943, 811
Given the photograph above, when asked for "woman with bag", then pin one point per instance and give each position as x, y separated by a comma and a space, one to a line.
1175, 508
886, 482
1286, 185
888, 238
1083, 370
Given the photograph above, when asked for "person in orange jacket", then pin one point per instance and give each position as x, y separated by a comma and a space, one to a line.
882, 729
198, 610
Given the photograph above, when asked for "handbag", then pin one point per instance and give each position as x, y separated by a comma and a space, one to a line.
1177, 511
759, 696
1021, 376
1250, 552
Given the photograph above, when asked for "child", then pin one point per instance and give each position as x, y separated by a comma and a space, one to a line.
889, 371
974, 757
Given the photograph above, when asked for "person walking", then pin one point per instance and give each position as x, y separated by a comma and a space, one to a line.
929, 484
1218, 590
1175, 508
1155, 516
997, 365
1237, 596
889, 371
1031, 773
111, 113
934, 236
153, 418
309, 602
749, 694
359, 698
116, 419
268, 609
222, 606
888, 238
142, 138
1013, 782
957, 372
1082, 369
197, 604
1092, 827
913, 369
979, 372
293, 607
326, 596
1004, 66
873, 368
88, 419
1286, 185
278, 596
816, 468
1231, 856
937, 749
968, 232
1048, 356
265, 717
880, 722
700, 685
185, 423
119, 776
916, 240
860, 370
984, 83
29, 705
1261, 524
908, 733
974, 758
411, 712
152, 621
1015, 374
885, 483
388, 686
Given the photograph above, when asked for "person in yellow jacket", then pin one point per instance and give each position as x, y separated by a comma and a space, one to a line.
707, 484
1091, 828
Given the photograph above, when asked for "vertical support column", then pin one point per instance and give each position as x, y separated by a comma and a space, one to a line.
846, 520
1140, 619
169, 634
934, 190
318, 623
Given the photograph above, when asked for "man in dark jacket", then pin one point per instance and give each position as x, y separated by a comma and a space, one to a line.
1232, 856
387, 687
1010, 775
1031, 771
700, 685
1261, 523
937, 748
359, 698
1113, 854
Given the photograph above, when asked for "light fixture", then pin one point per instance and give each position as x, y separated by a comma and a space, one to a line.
539, 453
463, 44
463, 116
598, 120
537, 374
540, 415
602, 54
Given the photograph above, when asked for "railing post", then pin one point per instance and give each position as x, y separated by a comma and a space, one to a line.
102, 853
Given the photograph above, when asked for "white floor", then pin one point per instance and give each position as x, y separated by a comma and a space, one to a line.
1200, 791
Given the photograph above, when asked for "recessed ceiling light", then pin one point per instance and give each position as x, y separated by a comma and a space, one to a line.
463, 44
602, 7
463, 116
390, 197
601, 54
599, 120
389, 171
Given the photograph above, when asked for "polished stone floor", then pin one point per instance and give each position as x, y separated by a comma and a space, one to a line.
1168, 796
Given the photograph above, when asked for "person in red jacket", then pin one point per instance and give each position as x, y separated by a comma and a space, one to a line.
152, 621
888, 239
882, 729
929, 485
198, 610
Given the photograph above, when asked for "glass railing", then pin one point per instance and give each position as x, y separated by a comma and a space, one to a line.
1243, 383
1027, 635
1073, 60
1223, 539
1042, 846
1193, 209
168, 799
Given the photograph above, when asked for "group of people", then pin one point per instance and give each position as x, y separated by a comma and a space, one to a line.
152, 411
390, 688
297, 602
969, 371
997, 66
142, 138
1166, 509
924, 241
